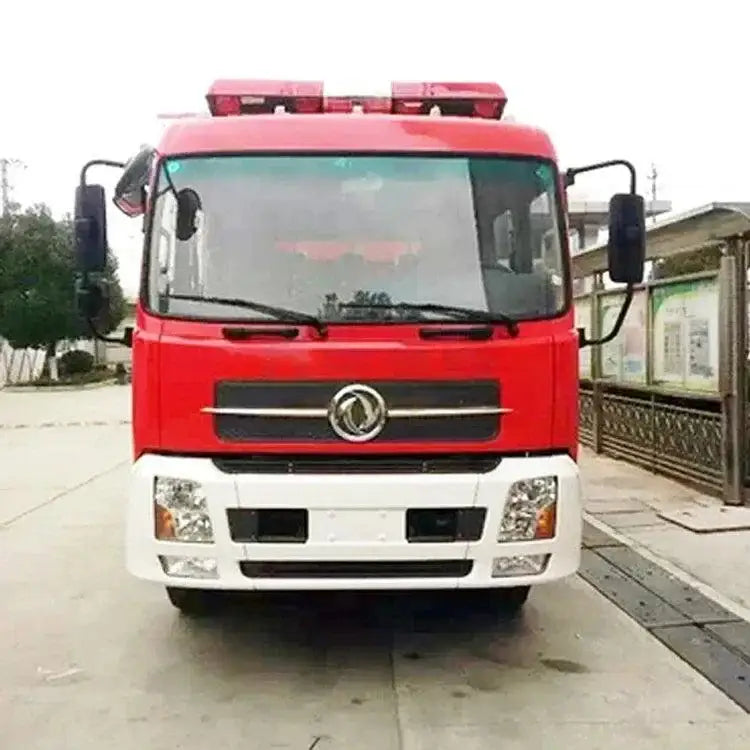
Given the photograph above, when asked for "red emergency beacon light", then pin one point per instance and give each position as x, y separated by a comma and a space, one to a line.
458, 99
364, 104
246, 97
240, 97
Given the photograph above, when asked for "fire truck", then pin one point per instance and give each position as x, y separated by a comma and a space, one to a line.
355, 361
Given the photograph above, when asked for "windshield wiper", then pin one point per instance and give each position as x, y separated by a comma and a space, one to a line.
280, 313
461, 313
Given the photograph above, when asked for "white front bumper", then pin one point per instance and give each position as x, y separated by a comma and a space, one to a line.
353, 518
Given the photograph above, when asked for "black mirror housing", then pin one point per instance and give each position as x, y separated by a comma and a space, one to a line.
130, 191
90, 226
188, 205
92, 297
627, 238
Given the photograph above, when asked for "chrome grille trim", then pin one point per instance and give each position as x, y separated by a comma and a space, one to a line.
398, 413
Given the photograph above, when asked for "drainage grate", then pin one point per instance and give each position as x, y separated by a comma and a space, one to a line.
711, 639
642, 605
711, 658
683, 597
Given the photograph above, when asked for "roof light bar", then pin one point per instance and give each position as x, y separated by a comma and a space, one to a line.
485, 100
365, 104
239, 97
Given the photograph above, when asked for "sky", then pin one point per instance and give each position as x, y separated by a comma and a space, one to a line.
647, 81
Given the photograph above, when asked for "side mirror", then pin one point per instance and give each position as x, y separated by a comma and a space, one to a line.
130, 191
90, 227
627, 238
188, 205
92, 297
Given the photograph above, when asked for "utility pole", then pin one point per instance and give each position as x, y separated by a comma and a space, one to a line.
652, 179
5, 185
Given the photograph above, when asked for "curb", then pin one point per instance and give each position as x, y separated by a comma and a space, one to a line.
58, 388
42, 425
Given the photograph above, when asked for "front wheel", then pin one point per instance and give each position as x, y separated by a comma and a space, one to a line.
505, 602
510, 601
194, 602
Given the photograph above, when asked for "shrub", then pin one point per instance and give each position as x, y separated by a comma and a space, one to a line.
76, 362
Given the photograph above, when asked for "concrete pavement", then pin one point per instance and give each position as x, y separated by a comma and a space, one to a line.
626, 501
93, 658
25, 408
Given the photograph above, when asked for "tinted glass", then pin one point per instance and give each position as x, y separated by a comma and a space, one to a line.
309, 232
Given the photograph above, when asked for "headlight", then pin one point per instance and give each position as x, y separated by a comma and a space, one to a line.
530, 510
181, 511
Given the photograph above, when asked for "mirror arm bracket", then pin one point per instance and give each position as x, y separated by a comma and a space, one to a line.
127, 337
99, 163
84, 286
583, 341
125, 340
571, 174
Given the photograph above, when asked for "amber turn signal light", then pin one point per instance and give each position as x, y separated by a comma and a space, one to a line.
546, 520
164, 526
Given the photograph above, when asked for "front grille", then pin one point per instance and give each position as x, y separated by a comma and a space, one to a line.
358, 569
371, 464
317, 395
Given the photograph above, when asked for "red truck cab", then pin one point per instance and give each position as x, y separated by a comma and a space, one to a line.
355, 364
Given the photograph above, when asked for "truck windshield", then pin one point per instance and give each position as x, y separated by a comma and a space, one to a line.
329, 235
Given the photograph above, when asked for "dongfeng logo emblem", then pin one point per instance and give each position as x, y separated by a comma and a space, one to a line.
357, 413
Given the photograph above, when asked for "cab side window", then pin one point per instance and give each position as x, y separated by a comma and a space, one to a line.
503, 239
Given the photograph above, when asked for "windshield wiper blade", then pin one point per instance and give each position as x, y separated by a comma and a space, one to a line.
462, 313
280, 313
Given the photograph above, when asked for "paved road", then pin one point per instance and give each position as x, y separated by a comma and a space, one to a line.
92, 658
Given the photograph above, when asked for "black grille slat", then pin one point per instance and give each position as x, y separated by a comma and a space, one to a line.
317, 395
269, 526
358, 569
371, 464
234, 428
273, 429
400, 393
424, 525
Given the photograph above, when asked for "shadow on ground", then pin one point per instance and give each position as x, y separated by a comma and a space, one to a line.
324, 622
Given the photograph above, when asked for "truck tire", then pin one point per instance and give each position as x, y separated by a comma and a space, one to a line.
509, 602
194, 602
502, 602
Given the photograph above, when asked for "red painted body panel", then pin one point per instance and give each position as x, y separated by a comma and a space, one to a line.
176, 364
565, 390
145, 383
353, 133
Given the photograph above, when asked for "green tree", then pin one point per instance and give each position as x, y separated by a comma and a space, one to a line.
37, 276
114, 313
